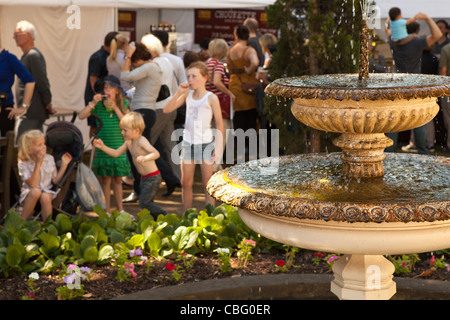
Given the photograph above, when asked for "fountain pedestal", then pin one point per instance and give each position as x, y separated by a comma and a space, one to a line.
363, 277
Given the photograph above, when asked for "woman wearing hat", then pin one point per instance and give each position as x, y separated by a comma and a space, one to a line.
110, 107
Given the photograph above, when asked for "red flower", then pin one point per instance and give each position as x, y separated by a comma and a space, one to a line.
320, 255
170, 266
280, 263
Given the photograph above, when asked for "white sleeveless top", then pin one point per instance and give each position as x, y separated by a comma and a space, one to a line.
197, 128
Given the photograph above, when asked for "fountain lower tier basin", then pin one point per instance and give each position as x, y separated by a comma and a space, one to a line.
415, 188
351, 238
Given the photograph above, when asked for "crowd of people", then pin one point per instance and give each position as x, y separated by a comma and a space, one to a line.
142, 93
426, 55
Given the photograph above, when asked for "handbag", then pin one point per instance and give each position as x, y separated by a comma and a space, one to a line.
225, 105
249, 87
164, 93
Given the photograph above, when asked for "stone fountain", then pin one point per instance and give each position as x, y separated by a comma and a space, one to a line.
360, 202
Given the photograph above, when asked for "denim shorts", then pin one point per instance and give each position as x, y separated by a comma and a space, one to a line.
197, 152
149, 186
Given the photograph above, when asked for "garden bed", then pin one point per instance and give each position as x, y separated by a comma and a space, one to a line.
123, 256
104, 285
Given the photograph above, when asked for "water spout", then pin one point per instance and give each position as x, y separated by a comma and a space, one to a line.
364, 43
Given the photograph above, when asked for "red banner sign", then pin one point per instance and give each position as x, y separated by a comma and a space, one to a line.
220, 23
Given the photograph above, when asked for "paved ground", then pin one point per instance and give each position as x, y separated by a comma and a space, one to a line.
171, 204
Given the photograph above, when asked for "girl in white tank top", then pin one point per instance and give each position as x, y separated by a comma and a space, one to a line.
201, 107
197, 128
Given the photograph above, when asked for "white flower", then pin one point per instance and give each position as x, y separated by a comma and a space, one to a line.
34, 275
223, 250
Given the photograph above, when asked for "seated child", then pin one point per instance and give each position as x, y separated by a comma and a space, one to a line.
397, 26
38, 172
144, 156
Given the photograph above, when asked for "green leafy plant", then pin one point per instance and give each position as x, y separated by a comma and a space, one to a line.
188, 260
438, 263
331, 258
404, 263
317, 258
72, 278
224, 255
32, 278
177, 272
244, 253
282, 265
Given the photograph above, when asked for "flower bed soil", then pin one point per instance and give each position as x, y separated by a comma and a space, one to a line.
103, 284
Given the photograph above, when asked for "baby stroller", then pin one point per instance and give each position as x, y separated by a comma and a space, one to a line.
79, 185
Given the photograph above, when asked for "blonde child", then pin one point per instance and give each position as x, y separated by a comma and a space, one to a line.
143, 155
199, 144
38, 172
110, 108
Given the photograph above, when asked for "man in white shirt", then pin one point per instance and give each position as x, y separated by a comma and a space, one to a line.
176, 61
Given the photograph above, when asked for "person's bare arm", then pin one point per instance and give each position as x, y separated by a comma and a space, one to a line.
177, 99
29, 89
217, 81
435, 31
86, 112
65, 160
251, 56
98, 143
217, 113
151, 153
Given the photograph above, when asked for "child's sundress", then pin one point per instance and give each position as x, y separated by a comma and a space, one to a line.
111, 135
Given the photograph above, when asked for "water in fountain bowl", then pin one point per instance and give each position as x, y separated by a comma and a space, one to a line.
376, 81
408, 178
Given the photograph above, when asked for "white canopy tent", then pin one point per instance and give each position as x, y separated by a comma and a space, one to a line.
67, 47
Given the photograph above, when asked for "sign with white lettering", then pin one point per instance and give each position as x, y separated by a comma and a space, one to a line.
220, 23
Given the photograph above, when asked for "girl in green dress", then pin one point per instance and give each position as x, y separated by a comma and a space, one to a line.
110, 108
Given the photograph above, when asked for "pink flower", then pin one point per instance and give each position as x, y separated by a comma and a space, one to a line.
129, 268
170, 266
250, 242
403, 264
332, 258
433, 259
71, 267
280, 263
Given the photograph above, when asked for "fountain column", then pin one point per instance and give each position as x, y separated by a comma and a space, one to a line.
363, 277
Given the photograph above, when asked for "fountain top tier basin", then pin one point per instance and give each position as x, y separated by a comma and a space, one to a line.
379, 86
414, 188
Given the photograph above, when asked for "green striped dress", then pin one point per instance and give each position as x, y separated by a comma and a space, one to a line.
111, 134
